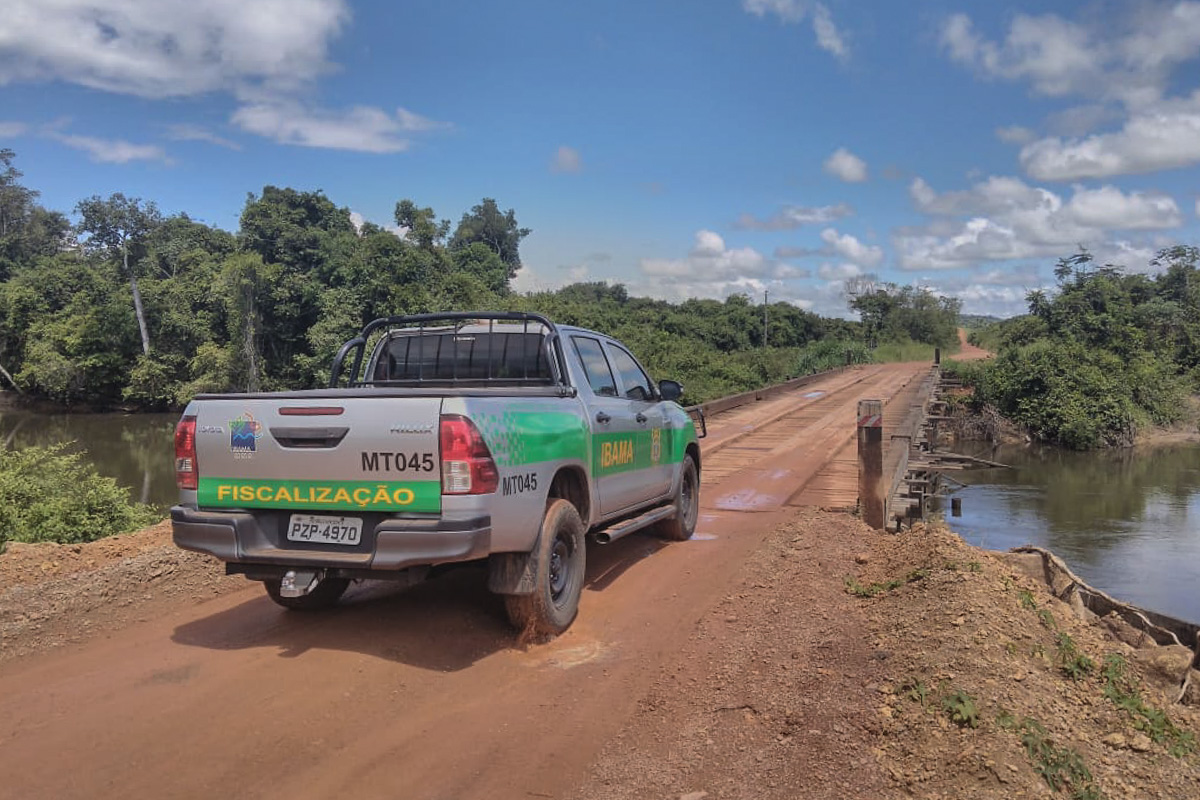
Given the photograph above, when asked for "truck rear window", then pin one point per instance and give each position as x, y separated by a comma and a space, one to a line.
464, 356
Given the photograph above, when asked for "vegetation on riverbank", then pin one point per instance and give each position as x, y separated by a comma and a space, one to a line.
49, 495
1107, 354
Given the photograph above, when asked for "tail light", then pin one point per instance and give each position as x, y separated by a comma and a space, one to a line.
186, 475
467, 465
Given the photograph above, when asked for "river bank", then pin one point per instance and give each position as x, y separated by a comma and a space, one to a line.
834, 668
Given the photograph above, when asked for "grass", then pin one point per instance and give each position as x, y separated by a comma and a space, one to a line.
1047, 619
871, 590
1062, 768
1124, 692
891, 352
1074, 664
962, 709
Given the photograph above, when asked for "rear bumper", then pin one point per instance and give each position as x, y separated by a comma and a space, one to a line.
239, 537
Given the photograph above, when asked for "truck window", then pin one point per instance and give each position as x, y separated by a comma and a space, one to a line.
464, 356
595, 366
637, 384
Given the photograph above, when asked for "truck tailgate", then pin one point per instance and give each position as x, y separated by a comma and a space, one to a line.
348, 454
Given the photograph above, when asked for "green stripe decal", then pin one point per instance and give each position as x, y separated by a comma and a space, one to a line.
518, 437
321, 495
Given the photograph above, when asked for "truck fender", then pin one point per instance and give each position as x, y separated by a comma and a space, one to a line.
513, 573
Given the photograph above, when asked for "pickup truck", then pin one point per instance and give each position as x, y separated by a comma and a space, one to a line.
441, 439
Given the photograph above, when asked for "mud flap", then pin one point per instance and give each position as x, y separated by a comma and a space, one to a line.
512, 573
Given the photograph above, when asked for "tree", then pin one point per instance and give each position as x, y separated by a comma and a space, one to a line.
499, 231
420, 225
26, 229
120, 225
16, 201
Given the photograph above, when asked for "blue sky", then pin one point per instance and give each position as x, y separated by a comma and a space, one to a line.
682, 148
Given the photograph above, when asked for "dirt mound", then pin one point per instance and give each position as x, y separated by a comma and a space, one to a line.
999, 690
53, 594
854, 664
22, 564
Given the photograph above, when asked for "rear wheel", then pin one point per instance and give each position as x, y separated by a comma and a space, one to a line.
687, 504
327, 593
558, 579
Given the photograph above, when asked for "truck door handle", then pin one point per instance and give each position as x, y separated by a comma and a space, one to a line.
640, 417
602, 418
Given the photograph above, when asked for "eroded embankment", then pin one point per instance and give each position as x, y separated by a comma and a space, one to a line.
858, 664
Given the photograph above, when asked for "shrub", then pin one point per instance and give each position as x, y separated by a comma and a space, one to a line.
828, 354
49, 495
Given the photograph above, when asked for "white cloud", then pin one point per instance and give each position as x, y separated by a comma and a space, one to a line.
1146, 143
357, 220
711, 269
847, 166
194, 133
1056, 56
361, 128
786, 10
794, 12
792, 217
829, 38
9, 130
112, 151
838, 272
1081, 120
566, 159
1125, 58
1009, 219
169, 48
1014, 134
267, 54
783, 272
851, 248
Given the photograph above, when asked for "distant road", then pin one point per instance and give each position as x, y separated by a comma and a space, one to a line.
968, 351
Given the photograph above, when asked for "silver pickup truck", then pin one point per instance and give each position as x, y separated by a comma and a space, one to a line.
442, 439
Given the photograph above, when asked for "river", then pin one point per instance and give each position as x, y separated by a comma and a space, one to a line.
1125, 521
137, 450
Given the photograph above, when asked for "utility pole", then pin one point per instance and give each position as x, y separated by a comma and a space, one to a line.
766, 294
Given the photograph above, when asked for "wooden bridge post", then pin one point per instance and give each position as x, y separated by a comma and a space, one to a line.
871, 501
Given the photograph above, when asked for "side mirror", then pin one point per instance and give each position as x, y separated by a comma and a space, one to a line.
670, 390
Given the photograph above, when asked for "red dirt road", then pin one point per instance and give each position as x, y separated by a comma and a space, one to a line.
417, 693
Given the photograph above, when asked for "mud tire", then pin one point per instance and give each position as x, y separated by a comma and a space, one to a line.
687, 505
558, 579
327, 593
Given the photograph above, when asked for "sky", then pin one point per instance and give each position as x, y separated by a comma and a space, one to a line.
693, 148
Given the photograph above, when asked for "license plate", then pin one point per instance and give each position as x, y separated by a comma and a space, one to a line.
326, 530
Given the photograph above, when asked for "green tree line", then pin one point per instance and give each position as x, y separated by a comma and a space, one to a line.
1105, 354
131, 307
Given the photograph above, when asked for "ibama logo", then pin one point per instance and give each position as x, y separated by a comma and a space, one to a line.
244, 433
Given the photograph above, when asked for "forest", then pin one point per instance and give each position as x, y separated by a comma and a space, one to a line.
1106, 354
128, 307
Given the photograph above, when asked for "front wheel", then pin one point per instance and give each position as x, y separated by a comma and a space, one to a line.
687, 504
558, 577
326, 593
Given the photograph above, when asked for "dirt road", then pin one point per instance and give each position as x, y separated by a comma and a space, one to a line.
418, 693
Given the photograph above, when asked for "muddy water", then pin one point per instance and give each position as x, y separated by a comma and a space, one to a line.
137, 450
1126, 522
